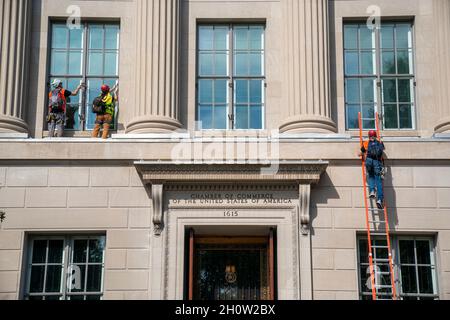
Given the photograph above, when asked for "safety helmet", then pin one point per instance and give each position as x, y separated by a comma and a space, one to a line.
372, 134
56, 83
105, 88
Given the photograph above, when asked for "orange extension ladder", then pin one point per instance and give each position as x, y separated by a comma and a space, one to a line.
380, 251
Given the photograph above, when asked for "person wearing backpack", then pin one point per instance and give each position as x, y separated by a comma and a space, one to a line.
373, 150
104, 106
57, 105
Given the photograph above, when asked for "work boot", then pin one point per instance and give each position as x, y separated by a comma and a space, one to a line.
96, 131
105, 130
380, 204
373, 195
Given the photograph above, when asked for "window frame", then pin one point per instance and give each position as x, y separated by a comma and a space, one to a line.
379, 76
64, 293
231, 78
395, 241
83, 105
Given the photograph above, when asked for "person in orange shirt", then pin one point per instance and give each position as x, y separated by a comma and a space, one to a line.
373, 150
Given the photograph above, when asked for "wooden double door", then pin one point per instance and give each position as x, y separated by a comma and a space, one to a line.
231, 268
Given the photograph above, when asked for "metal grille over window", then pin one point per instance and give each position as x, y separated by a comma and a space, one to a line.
66, 268
87, 55
231, 68
379, 75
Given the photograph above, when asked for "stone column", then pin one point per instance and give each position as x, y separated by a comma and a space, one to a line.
15, 21
308, 68
441, 12
157, 61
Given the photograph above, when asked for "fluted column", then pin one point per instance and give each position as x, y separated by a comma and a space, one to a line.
14, 47
308, 68
157, 60
441, 11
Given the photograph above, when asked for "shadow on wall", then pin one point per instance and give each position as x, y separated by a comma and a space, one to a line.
183, 80
332, 53
390, 196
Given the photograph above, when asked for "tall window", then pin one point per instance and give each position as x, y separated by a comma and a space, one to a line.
415, 268
66, 268
379, 75
90, 55
231, 77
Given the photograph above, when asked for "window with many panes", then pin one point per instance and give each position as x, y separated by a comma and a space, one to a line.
90, 55
231, 77
379, 75
66, 268
414, 265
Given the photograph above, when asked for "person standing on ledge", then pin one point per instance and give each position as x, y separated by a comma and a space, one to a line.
104, 106
373, 150
57, 105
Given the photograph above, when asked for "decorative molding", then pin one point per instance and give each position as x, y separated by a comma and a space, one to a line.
289, 172
304, 207
158, 216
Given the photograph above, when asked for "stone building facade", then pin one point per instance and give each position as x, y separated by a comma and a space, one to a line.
234, 149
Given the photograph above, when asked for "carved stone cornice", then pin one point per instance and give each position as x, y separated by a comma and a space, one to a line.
302, 172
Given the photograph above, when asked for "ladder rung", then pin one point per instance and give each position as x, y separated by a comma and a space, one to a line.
381, 260
378, 233
383, 286
372, 221
380, 247
376, 209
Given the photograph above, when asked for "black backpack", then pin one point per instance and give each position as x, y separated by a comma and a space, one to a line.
375, 151
98, 106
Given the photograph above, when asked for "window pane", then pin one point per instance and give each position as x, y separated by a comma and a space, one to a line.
407, 251
240, 38
404, 90
241, 91
352, 91
95, 37
206, 64
367, 63
37, 279
403, 62
96, 248
59, 62
352, 116
368, 90
387, 37
256, 38
256, 117
76, 38
241, 65
365, 279
55, 251
220, 117
111, 65
79, 251
389, 90
53, 279
351, 63
205, 91
367, 40
368, 112
220, 91
241, 117
256, 91
388, 62
425, 280
363, 249
390, 117
206, 36
94, 279
403, 36
95, 63
406, 121
409, 284
39, 251
205, 117
75, 59
221, 38
351, 37
220, 64
59, 37
368, 124
78, 278
256, 67
423, 252
112, 37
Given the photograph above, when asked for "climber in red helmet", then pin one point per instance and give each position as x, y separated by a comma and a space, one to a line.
373, 150
104, 107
